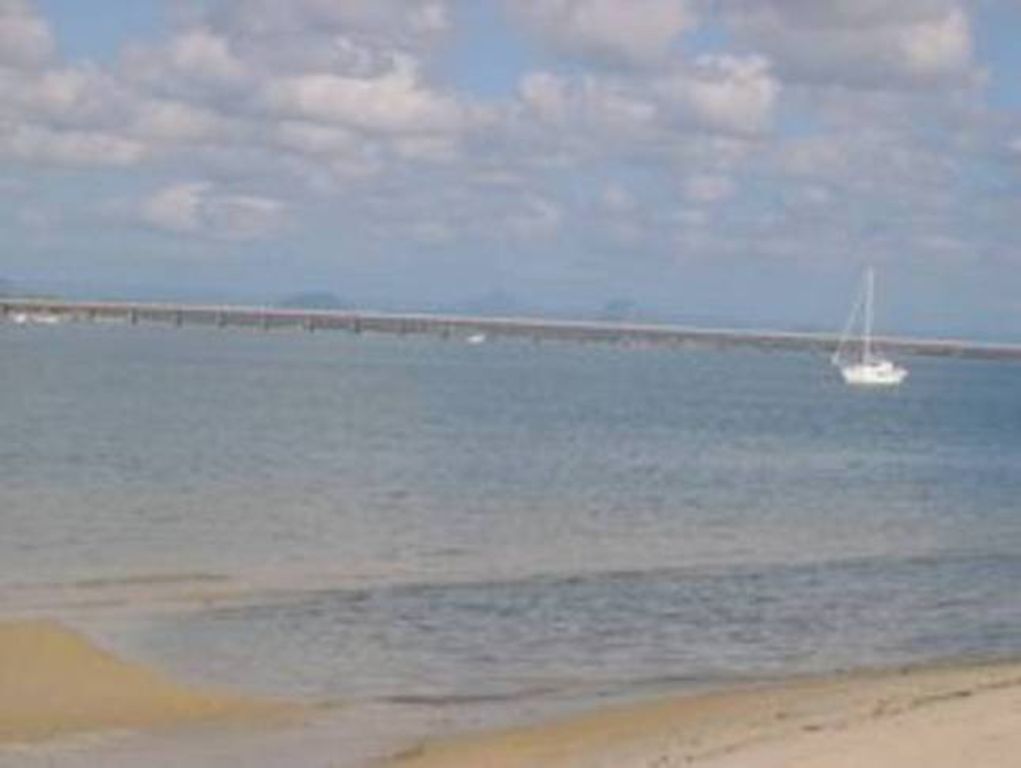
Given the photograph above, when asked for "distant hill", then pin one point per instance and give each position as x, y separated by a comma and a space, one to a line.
314, 300
494, 303
619, 310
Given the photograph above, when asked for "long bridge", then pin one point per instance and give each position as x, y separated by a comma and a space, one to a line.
42, 311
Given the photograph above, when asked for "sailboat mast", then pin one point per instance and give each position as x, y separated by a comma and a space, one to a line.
870, 286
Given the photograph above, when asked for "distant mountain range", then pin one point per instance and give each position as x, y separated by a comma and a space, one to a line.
495, 303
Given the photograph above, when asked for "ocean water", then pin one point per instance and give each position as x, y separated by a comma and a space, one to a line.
482, 534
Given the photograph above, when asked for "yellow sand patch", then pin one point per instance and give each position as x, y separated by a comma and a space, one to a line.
53, 681
937, 718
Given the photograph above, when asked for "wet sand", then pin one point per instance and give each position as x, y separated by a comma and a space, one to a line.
53, 682
960, 717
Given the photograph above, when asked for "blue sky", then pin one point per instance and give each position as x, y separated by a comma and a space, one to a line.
729, 161
82, 33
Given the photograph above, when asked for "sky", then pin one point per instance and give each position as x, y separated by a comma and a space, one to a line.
725, 162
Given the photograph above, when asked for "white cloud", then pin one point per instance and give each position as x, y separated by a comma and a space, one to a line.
315, 139
638, 32
176, 208
870, 160
176, 122
25, 38
218, 84
591, 103
198, 208
244, 217
708, 188
430, 148
394, 102
727, 93
53, 114
354, 101
547, 96
412, 23
940, 48
204, 55
718, 94
868, 44
48, 146
66, 96
861, 14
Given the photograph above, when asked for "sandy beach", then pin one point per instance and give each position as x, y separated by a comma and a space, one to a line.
960, 717
54, 682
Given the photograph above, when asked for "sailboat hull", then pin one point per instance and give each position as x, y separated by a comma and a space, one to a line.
879, 374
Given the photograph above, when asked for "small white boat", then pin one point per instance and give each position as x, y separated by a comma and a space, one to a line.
870, 368
35, 318
476, 338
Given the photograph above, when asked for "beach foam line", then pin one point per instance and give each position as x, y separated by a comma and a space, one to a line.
54, 682
948, 717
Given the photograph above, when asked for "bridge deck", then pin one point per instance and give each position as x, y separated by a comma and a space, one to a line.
267, 318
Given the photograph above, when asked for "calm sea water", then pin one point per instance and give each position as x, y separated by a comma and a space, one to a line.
510, 527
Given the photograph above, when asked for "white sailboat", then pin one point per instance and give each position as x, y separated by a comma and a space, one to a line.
870, 368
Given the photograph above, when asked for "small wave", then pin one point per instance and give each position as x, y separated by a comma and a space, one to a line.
456, 699
150, 579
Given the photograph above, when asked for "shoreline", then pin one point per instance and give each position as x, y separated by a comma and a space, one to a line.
952, 715
55, 685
